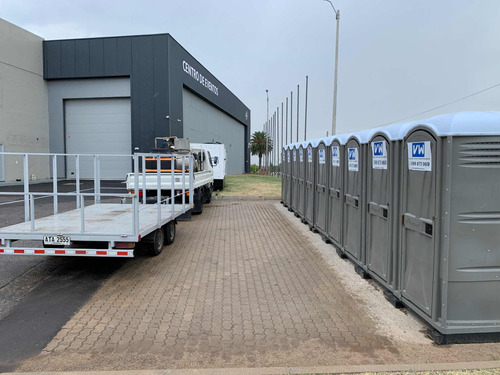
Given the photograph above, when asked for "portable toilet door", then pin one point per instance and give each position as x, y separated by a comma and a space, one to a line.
301, 182
382, 184
419, 210
335, 193
283, 175
295, 180
321, 190
353, 233
288, 179
309, 191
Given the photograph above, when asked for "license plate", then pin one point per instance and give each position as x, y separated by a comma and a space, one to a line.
57, 240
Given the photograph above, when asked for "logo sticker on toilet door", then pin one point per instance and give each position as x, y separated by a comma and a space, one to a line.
301, 155
309, 154
419, 156
288, 155
321, 156
379, 155
353, 159
294, 155
335, 156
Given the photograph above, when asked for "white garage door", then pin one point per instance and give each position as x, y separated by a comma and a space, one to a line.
98, 126
205, 123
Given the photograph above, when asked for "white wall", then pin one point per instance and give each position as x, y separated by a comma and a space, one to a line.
24, 124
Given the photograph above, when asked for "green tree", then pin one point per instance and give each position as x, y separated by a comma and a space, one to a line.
258, 145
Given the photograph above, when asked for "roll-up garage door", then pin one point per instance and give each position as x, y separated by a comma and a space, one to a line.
205, 123
98, 126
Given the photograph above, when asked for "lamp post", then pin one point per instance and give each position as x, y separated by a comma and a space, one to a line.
334, 115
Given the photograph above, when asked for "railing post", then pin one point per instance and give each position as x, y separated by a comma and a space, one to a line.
135, 198
172, 187
158, 187
183, 183
143, 179
82, 214
54, 182
77, 172
32, 212
26, 187
191, 181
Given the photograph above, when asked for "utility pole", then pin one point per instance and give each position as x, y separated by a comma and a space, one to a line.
334, 114
305, 117
291, 116
298, 106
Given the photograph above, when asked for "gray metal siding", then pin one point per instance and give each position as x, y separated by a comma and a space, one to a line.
205, 123
154, 64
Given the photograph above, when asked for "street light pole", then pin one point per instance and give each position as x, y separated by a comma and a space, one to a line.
334, 115
267, 129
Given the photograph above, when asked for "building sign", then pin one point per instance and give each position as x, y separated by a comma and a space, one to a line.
419, 156
321, 156
379, 155
353, 159
335, 156
310, 154
301, 155
200, 78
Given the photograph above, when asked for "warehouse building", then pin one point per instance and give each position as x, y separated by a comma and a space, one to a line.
115, 95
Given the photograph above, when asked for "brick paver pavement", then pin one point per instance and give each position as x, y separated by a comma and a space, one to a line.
241, 286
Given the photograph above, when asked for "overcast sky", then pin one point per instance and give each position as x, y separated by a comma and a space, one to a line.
397, 58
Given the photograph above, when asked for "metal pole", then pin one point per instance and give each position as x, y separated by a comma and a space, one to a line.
291, 116
26, 181
282, 144
286, 123
298, 106
305, 117
278, 134
334, 116
267, 127
54, 182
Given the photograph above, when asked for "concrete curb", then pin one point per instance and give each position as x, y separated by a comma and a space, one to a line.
234, 198
293, 370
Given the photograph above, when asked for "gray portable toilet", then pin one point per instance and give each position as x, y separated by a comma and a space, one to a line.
287, 190
309, 191
450, 233
301, 182
382, 197
353, 240
321, 185
283, 174
335, 165
295, 178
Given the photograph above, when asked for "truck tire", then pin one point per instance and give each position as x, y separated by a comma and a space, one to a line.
169, 230
198, 202
209, 196
155, 247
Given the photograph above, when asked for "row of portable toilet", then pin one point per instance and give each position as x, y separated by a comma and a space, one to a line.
416, 206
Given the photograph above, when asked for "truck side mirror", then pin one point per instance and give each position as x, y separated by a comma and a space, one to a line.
215, 160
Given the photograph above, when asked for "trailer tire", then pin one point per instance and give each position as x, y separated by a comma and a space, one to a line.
198, 202
169, 230
156, 246
209, 196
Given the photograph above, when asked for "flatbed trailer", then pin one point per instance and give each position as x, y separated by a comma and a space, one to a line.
102, 224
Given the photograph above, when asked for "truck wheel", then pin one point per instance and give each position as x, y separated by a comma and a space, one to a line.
169, 230
198, 202
209, 196
156, 246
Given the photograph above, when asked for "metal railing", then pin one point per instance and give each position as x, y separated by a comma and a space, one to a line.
80, 197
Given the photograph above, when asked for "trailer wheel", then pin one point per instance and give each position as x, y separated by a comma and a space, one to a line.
156, 246
209, 196
198, 202
169, 230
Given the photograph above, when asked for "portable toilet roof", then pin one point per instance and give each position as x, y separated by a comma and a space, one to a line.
460, 123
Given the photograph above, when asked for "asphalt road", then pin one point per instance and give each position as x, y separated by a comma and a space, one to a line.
38, 295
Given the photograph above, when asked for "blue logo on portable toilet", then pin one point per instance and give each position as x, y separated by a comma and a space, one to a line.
352, 154
418, 149
378, 149
335, 151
